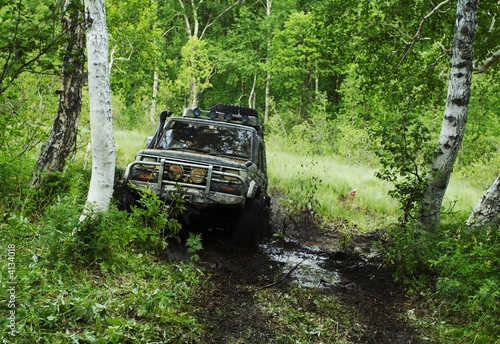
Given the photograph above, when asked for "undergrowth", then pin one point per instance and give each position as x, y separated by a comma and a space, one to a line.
458, 268
100, 280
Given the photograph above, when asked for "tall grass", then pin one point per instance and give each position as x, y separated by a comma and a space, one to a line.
326, 182
128, 143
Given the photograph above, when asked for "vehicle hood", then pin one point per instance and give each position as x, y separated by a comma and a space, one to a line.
195, 157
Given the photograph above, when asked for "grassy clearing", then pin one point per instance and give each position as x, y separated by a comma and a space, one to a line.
326, 184
128, 143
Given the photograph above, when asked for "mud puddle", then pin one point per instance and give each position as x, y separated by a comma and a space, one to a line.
305, 264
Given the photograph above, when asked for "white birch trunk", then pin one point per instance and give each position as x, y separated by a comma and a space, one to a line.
152, 114
455, 115
101, 121
269, 4
487, 210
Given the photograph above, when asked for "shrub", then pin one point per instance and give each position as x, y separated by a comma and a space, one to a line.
469, 278
102, 237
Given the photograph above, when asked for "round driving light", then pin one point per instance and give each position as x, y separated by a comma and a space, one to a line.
197, 175
212, 114
233, 179
175, 172
196, 112
228, 116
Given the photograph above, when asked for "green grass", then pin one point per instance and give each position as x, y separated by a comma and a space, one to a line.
128, 143
326, 183
99, 281
461, 196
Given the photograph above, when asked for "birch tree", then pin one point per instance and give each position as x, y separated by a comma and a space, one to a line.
101, 121
267, 90
455, 115
487, 209
196, 70
64, 131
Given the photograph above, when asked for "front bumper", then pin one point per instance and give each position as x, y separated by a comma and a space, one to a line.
218, 188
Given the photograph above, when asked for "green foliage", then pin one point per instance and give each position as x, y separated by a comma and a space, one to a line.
72, 183
404, 152
97, 279
29, 39
482, 135
194, 245
409, 252
462, 267
103, 237
468, 265
195, 71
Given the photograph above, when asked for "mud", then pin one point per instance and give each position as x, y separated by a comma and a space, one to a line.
319, 259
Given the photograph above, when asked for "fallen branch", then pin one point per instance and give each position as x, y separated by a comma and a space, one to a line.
278, 281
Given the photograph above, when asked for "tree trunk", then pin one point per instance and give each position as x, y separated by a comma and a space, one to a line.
487, 210
101, 120
252, 96
269, 4
63, 135
152, 114
455, 115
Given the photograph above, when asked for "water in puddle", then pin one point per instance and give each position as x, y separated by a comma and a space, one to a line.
307, 262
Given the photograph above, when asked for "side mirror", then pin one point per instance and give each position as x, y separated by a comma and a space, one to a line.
164, 115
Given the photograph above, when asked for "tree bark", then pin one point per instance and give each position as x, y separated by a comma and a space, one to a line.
62, 138
152, 113
455, 115
101, 120
269, 4
487, 210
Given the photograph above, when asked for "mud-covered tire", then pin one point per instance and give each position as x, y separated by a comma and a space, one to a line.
265, 231
251, 224
127, 199
234, 109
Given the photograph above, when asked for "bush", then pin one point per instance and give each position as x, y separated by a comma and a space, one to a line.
104, 236
463, 266
98, 280
469, 278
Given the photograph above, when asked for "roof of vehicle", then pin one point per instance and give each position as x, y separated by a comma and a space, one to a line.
225, 113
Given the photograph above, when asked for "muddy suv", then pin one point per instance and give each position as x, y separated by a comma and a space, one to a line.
216, 160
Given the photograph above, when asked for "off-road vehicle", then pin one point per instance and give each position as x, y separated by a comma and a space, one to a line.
216, 159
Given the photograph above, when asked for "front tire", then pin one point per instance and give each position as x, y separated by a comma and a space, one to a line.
128, 198
250, 224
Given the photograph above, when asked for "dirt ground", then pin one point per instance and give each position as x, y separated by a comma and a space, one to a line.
319, 259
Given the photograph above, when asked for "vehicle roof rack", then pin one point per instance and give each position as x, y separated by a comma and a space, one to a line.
227, 113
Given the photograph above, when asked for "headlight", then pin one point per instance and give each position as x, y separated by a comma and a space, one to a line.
197, 175
175, 172
232, 179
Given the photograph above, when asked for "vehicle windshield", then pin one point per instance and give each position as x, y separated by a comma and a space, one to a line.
208, 138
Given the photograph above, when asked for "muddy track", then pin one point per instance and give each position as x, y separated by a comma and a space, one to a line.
323, 264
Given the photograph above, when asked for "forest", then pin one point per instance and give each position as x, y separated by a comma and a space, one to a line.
403, 92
